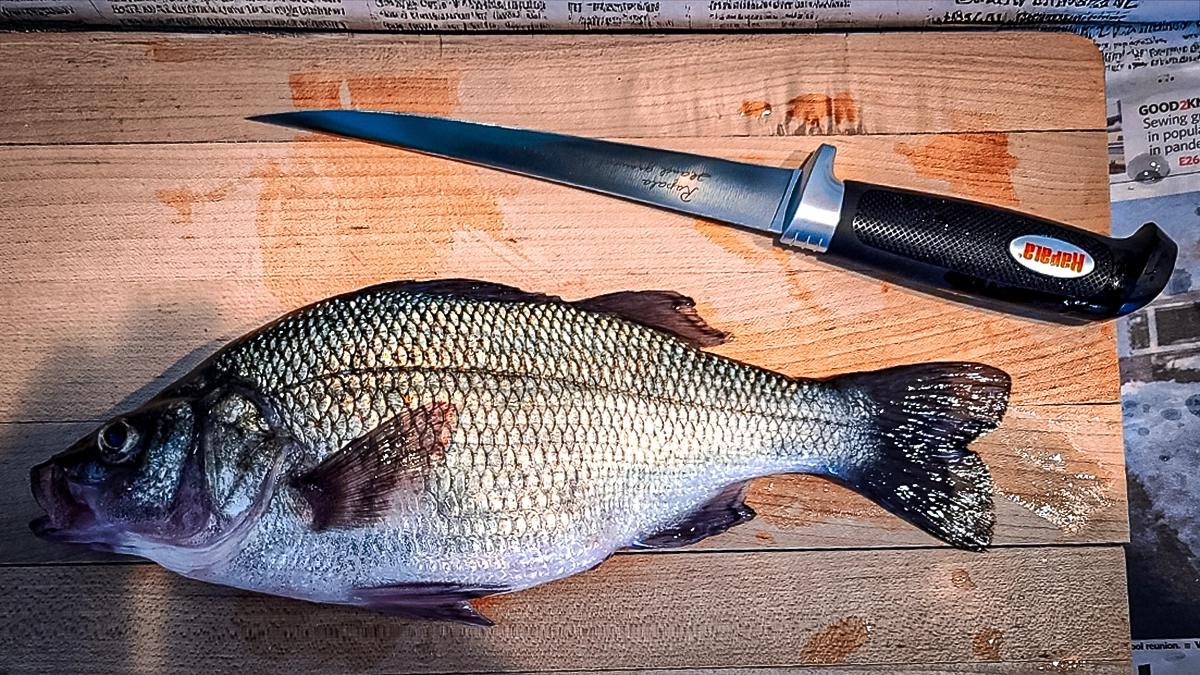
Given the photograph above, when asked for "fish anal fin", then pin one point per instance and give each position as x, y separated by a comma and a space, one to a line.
427, 601
663, 310
355, 485
720, 513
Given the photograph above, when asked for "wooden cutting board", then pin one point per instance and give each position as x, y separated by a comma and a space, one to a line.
144, 223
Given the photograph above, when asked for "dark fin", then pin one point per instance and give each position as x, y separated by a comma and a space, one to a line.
427, 601
467, 288
664, 310
720, 513
354, 486
920, 468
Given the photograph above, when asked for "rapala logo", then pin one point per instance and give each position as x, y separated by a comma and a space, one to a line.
1052, 257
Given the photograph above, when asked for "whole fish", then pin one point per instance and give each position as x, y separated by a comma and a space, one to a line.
414, 445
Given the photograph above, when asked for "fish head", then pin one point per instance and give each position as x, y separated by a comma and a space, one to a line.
132, 483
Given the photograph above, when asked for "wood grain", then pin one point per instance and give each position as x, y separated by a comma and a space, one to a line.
246, 231
171, 88
866, 610
145, 224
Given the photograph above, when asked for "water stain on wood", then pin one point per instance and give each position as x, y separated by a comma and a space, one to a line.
754, 109
837, 642
822, 113
336, 215
183, 199
1051, 477
977, 166
961, 580
986, 644
316, 90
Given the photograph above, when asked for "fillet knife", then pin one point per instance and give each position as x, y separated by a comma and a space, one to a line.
969, 251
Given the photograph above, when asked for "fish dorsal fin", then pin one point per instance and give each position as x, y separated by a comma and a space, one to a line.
664, 310
470, 289
718, 514
355, 485
667, 311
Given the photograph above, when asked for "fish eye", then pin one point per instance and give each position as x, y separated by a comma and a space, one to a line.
115, 435
117, 441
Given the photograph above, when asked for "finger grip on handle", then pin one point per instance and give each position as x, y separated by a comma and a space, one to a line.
999, 257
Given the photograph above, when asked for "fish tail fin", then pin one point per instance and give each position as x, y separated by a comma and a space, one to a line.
917, 464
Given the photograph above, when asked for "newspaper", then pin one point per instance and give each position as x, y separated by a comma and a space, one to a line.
539, 15
1166, 657
1154, 170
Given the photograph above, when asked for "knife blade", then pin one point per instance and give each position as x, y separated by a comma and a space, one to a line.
977, 253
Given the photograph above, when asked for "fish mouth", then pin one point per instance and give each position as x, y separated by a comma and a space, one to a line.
64, 514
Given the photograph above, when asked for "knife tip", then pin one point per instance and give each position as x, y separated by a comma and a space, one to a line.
269, 118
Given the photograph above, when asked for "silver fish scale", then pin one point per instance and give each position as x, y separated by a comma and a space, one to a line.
574, 433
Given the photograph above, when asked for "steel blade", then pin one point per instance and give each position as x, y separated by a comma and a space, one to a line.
749, 195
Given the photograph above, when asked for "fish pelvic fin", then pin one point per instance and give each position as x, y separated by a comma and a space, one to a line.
919, 466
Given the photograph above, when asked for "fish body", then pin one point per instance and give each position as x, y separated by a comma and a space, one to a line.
414, 445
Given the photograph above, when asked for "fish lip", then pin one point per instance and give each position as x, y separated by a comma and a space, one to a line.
53, 495
43, 528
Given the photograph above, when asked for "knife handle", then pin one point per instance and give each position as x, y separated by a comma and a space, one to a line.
999, 258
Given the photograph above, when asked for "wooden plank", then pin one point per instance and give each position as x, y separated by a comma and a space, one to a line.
1005, 611
128, 87
180, 248
304, 220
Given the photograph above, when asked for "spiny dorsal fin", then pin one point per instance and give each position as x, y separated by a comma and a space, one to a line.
354, 486
665, 310
467, 288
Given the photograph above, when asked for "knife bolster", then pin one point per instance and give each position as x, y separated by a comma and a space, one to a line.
815, 208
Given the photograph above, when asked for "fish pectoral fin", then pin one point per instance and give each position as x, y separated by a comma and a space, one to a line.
720, 513
664, 310
428, 601
355, 485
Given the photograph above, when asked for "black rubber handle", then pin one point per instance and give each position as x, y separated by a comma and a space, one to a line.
999, 258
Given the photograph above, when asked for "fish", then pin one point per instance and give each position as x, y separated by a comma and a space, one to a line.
415, 445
